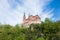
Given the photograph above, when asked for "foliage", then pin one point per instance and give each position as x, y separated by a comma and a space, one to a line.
47, 30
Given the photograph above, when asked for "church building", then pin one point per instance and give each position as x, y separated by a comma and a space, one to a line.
31, 20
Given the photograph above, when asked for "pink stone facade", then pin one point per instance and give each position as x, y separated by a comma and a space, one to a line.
31, 19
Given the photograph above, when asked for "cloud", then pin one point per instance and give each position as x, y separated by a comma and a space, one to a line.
11, 11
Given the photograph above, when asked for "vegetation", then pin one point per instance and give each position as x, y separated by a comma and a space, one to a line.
48, 30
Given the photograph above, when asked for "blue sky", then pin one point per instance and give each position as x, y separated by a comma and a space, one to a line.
56, 5
11, 11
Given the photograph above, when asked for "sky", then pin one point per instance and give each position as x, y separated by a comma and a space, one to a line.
12, 11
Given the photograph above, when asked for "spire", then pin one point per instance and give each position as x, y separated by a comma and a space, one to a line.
29, 15
24, 17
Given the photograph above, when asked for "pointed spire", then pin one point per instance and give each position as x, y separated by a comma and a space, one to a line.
24, 17
29, 15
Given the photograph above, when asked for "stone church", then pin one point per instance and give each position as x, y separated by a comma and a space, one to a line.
31, 20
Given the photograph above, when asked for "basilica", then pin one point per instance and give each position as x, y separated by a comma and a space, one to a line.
31, 20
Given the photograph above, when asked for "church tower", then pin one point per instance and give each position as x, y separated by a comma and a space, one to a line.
24, 17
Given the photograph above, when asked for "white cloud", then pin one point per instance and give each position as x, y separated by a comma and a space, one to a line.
14, 16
